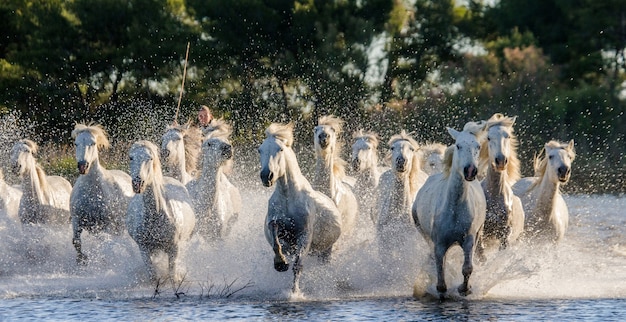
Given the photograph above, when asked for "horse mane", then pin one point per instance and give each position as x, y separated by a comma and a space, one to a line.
94, 129
282, 132
513, 172
447, 160
221, 129
371, 137
540, 162
40, 179
416, 163
334, 122
157, 172
477, 129
192, 139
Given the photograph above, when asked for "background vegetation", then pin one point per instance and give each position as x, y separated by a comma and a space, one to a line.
383, 65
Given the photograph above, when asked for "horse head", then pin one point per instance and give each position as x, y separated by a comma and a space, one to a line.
88, 139
279, 139
22, 155
432, 160
172, 146
465, 157
326, 134
402, 152
559, 160
364, 151
216, 151
500, 147
145, 167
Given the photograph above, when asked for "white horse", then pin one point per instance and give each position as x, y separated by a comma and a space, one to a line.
160, 216
547, 215
299, 219
9, 200
330, 177
498, 155
216, 201
397, 189
432, 157
450, 208
45, 199
364, 163
100, 197
180, 147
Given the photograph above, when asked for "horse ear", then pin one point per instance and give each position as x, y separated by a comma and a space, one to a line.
453, 132
513, 119
570, 146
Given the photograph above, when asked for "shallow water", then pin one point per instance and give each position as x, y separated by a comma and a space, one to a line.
584, 277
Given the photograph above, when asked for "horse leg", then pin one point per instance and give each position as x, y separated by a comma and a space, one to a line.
480, 249
172, 254
325, 255
504, 237
440, 254
230, 223
280, 262
303, 243
81, 259
468, 251
145, 256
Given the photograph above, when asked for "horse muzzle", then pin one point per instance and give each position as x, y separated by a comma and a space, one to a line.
83, 167
267, 177
470, 172
401, 165
137, 184
564, 173
323, 140
500, 163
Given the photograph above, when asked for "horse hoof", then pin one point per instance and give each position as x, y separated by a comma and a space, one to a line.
81, 260
281, 267
465, 291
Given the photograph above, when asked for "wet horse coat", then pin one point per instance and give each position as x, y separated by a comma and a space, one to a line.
299, 219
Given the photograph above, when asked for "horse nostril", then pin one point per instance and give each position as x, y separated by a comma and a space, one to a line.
356, 164
563, 171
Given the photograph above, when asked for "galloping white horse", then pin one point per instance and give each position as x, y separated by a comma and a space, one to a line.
432, 157
45, 199
547, 215
299, 219
330, 177
100, 196
216, 201
159, 216
180, 146
498, 154
398, 187
365, 164
9, 200
450, 208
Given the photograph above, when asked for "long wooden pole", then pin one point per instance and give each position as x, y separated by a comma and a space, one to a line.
182, 86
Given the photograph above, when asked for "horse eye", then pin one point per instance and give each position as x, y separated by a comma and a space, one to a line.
131, 158
550, 157
488, 139
458, 147
412, 149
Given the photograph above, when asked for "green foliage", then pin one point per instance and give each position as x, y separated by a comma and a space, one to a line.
556, 64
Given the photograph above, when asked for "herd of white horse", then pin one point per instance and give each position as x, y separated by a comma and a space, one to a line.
468, 194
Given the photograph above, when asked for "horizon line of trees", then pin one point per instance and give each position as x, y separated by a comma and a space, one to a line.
379, 64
